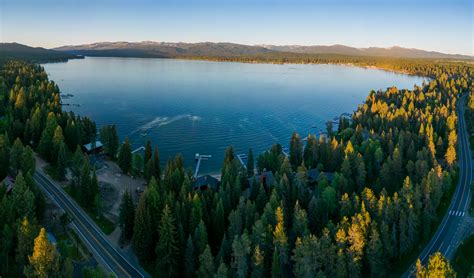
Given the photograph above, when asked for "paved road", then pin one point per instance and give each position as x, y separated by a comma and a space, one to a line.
88, 230
446, 237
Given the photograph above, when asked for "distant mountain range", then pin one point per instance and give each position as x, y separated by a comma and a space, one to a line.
166, 49
150, 49
32, 54
163, 49
394, 51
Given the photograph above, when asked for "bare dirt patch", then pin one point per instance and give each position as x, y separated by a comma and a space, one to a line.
113, 184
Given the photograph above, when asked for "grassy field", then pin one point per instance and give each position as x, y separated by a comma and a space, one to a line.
103, 222
463, 261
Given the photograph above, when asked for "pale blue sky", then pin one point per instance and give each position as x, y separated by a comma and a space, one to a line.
445, 26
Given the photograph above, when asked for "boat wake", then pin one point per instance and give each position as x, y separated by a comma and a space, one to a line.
162, 121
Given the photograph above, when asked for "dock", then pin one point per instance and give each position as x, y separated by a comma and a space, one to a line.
142, 148
241, 158
199, 158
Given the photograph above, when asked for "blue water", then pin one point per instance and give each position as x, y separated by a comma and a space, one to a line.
202, 107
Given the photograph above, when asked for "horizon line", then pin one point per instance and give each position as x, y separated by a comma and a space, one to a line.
255, 45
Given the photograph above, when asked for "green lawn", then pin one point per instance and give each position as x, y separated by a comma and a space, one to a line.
463, 261
103, 222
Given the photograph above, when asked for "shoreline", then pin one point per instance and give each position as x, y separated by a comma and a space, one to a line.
270, 62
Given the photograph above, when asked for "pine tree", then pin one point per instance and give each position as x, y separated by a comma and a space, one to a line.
143, 229
200, 237
85, 196
125, 157
148, 151
189, 258
240, 255
222, 271
258, 263
375, 253
300, 222
28, 161
280, 239
4, 155
166, 249
276, 265
206, 263
22, 198
58, 140
296, 150
44, 262
6, 245
156, 162
16, 154
306, 256
61, 161
109, 137
46, 146
218, 223
127, 215
26, 235
94, 190
250, 164
341, 270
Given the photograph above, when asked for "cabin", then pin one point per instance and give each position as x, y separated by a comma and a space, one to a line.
93, 148
314, 176
205, 182
8, 182
266, 179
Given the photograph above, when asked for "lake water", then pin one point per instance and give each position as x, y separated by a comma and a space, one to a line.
202, 107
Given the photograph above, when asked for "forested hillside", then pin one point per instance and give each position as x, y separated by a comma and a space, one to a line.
32, 119
9, 51
393, 166
384, 176
225, 49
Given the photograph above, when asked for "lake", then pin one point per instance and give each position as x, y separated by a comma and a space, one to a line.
190, 107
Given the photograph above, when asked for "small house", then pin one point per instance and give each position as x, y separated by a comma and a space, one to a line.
205, 182
93, 148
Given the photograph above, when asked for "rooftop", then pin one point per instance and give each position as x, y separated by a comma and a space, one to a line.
205, 182
89, 147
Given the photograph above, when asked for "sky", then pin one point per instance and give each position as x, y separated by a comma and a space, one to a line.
444, 26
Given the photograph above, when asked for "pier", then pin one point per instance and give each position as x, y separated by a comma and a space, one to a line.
241, 158
142, 148
199, 158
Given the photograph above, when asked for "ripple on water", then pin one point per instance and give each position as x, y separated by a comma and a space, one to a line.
190, 107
